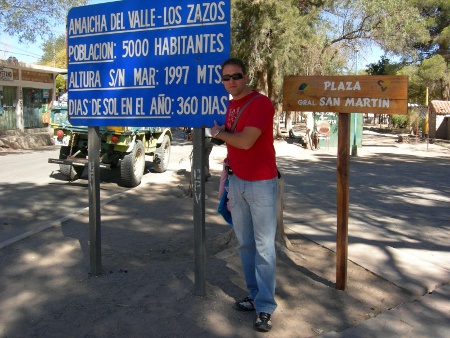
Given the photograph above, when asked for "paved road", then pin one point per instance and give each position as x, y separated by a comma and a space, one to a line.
34, 194
398, 214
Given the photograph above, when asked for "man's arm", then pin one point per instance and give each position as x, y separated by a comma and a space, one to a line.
241, 140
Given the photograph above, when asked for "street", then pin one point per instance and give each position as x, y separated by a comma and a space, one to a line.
35, 196
33, 192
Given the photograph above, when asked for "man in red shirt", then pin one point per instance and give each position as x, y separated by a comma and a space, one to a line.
253, 188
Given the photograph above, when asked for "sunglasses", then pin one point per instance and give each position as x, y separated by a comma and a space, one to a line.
236, 76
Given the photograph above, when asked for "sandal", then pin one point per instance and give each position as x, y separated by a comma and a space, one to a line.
245, 305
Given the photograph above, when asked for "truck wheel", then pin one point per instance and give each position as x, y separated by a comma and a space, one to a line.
72, 172
133, 165
162, 155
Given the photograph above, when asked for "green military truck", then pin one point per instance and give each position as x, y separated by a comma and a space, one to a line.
120, 146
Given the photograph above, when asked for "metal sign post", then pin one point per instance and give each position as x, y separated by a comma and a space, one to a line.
198, 183
345, 94
95, 231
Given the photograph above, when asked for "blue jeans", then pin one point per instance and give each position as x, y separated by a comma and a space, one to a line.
254, 211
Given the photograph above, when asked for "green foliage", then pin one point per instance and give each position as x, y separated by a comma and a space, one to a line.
414, 120
433, 52
416, 87
433, 69
55, 56
436, 13
444, 39
54, 52
435, 74
60, 83
394, 25
399, 121
383, 67
27, 19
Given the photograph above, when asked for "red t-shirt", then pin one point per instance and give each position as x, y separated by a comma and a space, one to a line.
258, 162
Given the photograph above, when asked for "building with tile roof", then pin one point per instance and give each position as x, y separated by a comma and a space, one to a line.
439, 114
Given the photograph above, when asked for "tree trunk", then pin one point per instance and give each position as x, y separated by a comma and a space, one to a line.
281, 238
277, 121
288, 122
261, 84
309, 121
283, 245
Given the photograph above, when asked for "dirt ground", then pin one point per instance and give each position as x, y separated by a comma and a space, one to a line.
147, 286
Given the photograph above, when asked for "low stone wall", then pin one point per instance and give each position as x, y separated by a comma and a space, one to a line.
29, 139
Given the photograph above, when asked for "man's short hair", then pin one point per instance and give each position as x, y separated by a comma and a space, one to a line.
235, 62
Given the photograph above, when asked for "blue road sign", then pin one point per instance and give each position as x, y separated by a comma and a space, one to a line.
148, 63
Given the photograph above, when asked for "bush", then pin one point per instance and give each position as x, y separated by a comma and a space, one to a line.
400, 121
415, 121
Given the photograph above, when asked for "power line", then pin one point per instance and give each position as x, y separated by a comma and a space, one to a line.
12, 52
5, 44
25, 52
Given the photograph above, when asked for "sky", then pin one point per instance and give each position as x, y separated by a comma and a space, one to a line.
31, 53
25, 52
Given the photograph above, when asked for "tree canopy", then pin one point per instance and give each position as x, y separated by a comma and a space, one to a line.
383, 67
54, 52
314, 37
392, 24
436, 13
428, 65
27, 19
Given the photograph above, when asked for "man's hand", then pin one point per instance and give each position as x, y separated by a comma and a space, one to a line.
216, 129
241, 140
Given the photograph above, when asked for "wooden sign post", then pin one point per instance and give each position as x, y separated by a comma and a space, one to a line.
345, 94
